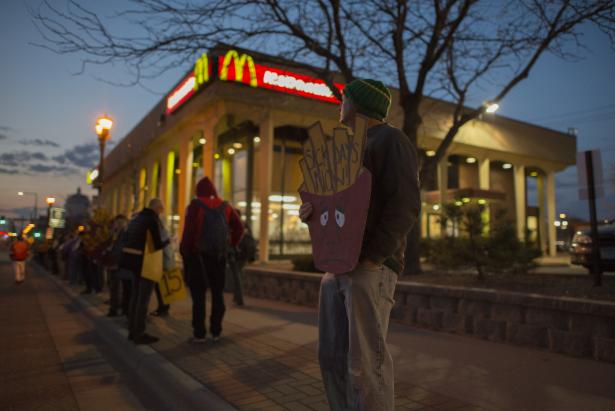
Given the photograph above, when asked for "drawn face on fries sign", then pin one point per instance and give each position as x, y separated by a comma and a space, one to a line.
339, 187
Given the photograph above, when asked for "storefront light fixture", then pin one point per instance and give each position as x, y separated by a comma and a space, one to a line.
216, 156
534, 174
491, 107
278, 198
562, 215
430, 153
436, 207
50, 201
291, 206
237, 146
202, 141
231, 151
557, 223
506, 166
471, 160
257, 139
465, 200
482, 201
458, 203
564, 223
178, 171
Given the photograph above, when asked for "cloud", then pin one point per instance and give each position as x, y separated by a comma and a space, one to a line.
6, 128
81, 155
18, 158
43, 168
3, 136
39, 142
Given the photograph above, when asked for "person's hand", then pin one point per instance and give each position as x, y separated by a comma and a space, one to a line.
305, 212
369, 264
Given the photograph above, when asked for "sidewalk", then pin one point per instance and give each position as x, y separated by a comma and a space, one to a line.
51, 357
267, 360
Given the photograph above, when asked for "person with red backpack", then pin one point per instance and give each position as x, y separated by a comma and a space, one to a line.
19, 254
211, 227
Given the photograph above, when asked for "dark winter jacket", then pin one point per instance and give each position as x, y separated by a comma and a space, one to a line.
395, 199
195, 217
134, 239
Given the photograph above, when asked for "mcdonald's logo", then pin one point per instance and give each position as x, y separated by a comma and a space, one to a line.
201, 71
240, 62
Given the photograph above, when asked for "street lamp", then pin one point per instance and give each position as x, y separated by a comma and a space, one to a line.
491, 107
23, 193
50, 202
102, 128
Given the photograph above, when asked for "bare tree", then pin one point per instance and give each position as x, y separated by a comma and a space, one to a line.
467, 52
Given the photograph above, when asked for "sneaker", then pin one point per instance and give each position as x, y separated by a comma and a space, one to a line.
196, 340
145, 339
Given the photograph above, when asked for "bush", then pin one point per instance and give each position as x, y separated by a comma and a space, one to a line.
497, 251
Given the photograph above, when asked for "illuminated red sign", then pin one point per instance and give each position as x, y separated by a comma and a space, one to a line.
244, 70
190, 84
241, 68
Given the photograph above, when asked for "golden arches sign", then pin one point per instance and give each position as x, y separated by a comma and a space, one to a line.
240, 62
201, 71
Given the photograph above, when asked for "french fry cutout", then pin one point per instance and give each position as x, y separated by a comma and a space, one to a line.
339, 188
308, 183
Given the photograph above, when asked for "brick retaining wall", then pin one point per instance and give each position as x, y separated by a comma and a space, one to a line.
577, 327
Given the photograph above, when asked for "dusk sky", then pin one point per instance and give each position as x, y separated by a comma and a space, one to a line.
48, 112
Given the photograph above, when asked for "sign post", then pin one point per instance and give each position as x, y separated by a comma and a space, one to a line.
589, 166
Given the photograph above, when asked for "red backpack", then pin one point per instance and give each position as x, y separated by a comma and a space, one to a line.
19, 250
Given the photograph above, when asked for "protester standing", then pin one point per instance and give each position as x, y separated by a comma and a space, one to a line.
211, 226
119, 279
168, 263
135, 238
19, 255
238, 257
354, 308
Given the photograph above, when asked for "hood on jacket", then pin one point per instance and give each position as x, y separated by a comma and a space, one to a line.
205, 188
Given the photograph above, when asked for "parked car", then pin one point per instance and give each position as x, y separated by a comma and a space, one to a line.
581, 248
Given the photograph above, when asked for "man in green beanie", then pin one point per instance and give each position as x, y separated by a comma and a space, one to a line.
356, 365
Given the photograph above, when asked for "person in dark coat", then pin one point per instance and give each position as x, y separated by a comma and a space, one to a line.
134, 241
202, 267
117, 276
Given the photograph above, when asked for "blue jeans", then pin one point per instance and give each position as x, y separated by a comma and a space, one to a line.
356, 365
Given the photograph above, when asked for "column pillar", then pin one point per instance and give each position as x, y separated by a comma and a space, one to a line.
551, 229
442, 187
185, 168
209, 149
542, 235
520, 203
265, 165
484, 183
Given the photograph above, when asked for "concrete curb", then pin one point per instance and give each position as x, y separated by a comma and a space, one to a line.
181, 391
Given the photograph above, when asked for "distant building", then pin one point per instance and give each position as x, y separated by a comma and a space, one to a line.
77, 207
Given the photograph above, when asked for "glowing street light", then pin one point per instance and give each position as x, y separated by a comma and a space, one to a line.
50, 201
102, 128
23, 193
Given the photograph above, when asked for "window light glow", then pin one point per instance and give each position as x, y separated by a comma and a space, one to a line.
278, 198
506, 166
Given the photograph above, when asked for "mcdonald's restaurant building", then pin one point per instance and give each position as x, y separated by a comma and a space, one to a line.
241, 117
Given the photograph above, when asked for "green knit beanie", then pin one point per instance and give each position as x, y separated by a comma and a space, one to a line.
370, 97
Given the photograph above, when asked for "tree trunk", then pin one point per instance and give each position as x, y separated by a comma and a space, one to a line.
412, 121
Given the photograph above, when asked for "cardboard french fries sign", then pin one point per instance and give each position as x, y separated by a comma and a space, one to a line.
339, 188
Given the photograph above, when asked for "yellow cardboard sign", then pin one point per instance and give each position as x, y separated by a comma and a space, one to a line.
152, 261
172, 286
